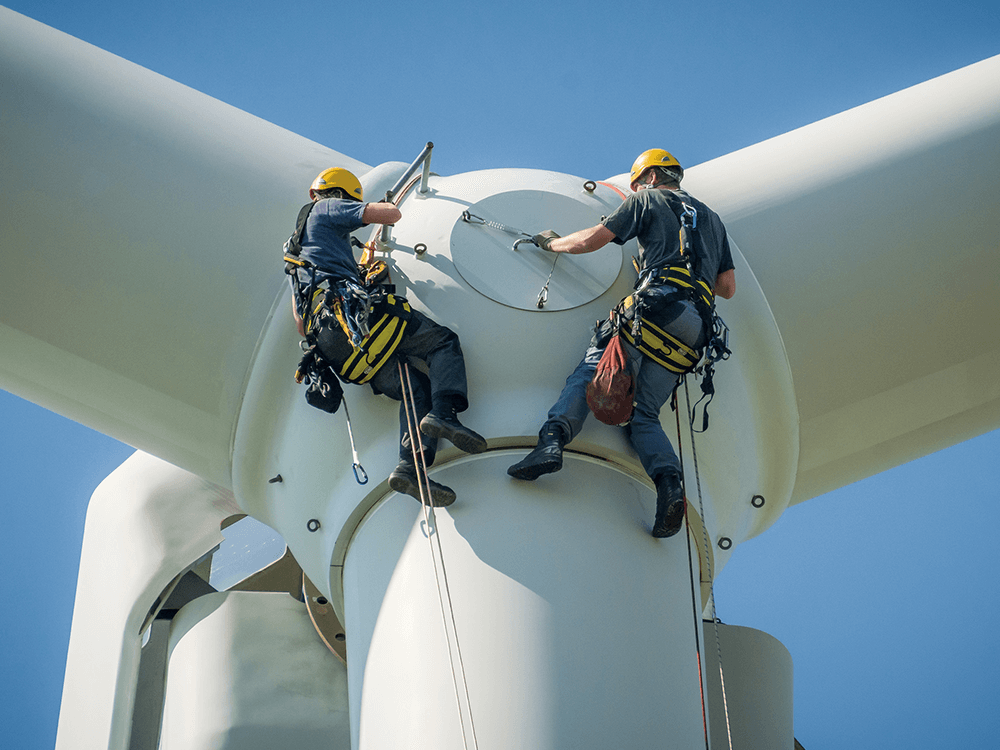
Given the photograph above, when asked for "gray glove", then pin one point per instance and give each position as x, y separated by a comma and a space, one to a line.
544, 239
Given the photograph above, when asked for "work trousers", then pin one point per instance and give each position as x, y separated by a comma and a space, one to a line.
653, 386
429, 346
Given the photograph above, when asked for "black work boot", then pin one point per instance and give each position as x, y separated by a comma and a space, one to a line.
545, 458
403, 479
669, 505
444, 424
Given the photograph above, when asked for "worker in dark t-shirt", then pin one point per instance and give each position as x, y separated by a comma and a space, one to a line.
652, 214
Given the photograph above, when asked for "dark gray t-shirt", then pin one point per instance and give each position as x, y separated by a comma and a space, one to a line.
648, 215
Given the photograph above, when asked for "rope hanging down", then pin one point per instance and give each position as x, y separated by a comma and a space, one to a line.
444, 595
708, 568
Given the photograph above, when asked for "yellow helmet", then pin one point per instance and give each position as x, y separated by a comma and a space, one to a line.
335, 177
655, 157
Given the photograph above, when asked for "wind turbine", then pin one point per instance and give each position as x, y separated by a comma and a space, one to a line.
203, 384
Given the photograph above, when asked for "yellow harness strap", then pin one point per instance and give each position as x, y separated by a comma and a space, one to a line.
664, 349
383, 337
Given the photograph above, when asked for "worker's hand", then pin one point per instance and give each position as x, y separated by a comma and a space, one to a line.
544, 239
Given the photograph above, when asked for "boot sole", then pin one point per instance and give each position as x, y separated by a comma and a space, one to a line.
440, 496
534, 470
463, 438
671, 521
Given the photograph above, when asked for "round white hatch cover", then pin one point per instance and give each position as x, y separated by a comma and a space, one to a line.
485, 257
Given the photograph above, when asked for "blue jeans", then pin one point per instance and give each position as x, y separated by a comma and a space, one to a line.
653, 386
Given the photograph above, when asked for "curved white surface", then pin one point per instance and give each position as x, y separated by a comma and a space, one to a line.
758, 692
516, 360
133, 303
560, 624
246, 671
874, 235
485, 257
147, 522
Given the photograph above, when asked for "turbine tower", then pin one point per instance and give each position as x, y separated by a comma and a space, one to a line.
528, 614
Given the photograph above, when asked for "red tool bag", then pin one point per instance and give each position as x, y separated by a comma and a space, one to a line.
610, 394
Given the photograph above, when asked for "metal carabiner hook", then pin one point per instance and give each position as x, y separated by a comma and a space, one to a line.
543, 297
360, 474
521, 242
471, 219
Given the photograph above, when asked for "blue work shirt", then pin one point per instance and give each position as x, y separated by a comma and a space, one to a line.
326, 239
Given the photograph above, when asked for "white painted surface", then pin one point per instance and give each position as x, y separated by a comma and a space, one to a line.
758, 699
575, 627
142, 225
517, 359
874, 235
147, 522
247, 672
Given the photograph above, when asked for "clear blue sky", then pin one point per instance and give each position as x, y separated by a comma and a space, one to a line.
882, 591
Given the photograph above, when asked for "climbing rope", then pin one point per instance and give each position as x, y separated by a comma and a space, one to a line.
708, 562
444, 593
695, 598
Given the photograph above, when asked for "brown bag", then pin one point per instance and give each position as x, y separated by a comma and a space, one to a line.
610, 394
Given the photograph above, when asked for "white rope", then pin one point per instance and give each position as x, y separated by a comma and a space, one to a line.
708, 566
444, 596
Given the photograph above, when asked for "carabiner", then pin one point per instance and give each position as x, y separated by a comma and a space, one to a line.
360, 474
543, 296
690, 212
521, 242
472, 219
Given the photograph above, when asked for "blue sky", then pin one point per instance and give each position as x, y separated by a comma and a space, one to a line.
882, 590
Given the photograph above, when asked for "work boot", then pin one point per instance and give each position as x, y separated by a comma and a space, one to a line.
446, 425
670, 505
403, 479
545, 458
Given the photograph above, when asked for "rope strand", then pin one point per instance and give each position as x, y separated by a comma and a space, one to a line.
695, 600
708, 563
423, 481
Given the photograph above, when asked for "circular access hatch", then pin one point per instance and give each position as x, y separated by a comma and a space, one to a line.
485, 257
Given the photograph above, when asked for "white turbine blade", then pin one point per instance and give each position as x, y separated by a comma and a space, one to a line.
875, 235
143, 223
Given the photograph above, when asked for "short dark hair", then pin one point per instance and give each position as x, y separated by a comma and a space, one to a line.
335, 193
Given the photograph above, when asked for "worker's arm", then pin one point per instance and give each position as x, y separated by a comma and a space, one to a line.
584, 241
381, 213
725, 284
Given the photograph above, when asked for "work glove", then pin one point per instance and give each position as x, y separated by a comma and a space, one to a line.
544, 239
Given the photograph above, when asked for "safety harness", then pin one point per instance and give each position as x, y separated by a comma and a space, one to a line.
653, 341
351, 330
